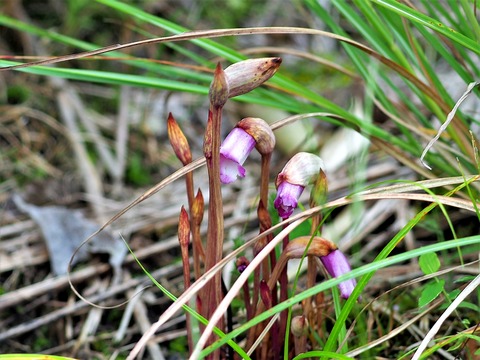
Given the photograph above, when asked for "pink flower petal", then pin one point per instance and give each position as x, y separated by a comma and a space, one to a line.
287, 199
230, 170
337, 264
233, 152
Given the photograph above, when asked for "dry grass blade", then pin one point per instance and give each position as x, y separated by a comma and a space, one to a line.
205, 34
294, 221
291, 119
169, 179
462, 296
193, 35
421, 185
450, 116
405, 324
237, 286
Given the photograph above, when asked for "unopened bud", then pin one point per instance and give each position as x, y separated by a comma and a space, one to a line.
265, 294
198, 208
317, 246
183, 228
219, 88
242, 263
244, 76
261, 132
263, 217
178, 140
299, 326
319, 192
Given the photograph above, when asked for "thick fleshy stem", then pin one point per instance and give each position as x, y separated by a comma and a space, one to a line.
196, 211
265, 223
266, 296
242, 263
184, 240
295, 250
283, 294
264, 179
262, 271
218, 97
299, 328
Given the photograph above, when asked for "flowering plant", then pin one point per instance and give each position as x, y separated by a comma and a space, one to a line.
225, 164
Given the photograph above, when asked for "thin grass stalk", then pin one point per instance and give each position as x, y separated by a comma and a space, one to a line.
265, 177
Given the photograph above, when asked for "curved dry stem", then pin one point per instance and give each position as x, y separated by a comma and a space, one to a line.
450, 117
302, 54
205, 34
193, 35
169, 179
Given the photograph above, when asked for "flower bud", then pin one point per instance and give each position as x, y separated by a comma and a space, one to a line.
219, 88
318, 194
319, 246
183, 228
265, 294
242, 263
264, 219
198, 208
261, 132
244, 76
299, 326
178, 140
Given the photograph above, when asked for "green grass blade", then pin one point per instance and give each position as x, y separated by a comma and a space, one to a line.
362, 283
363, 270
429, 22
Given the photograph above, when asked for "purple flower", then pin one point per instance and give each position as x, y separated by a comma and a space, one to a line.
301, 170
337, 264
233, 152
287, 198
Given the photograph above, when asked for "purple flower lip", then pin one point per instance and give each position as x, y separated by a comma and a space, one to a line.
233, 152
287, 199
337, 264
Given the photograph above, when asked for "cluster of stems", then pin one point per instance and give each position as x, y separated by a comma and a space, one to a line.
224, 162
